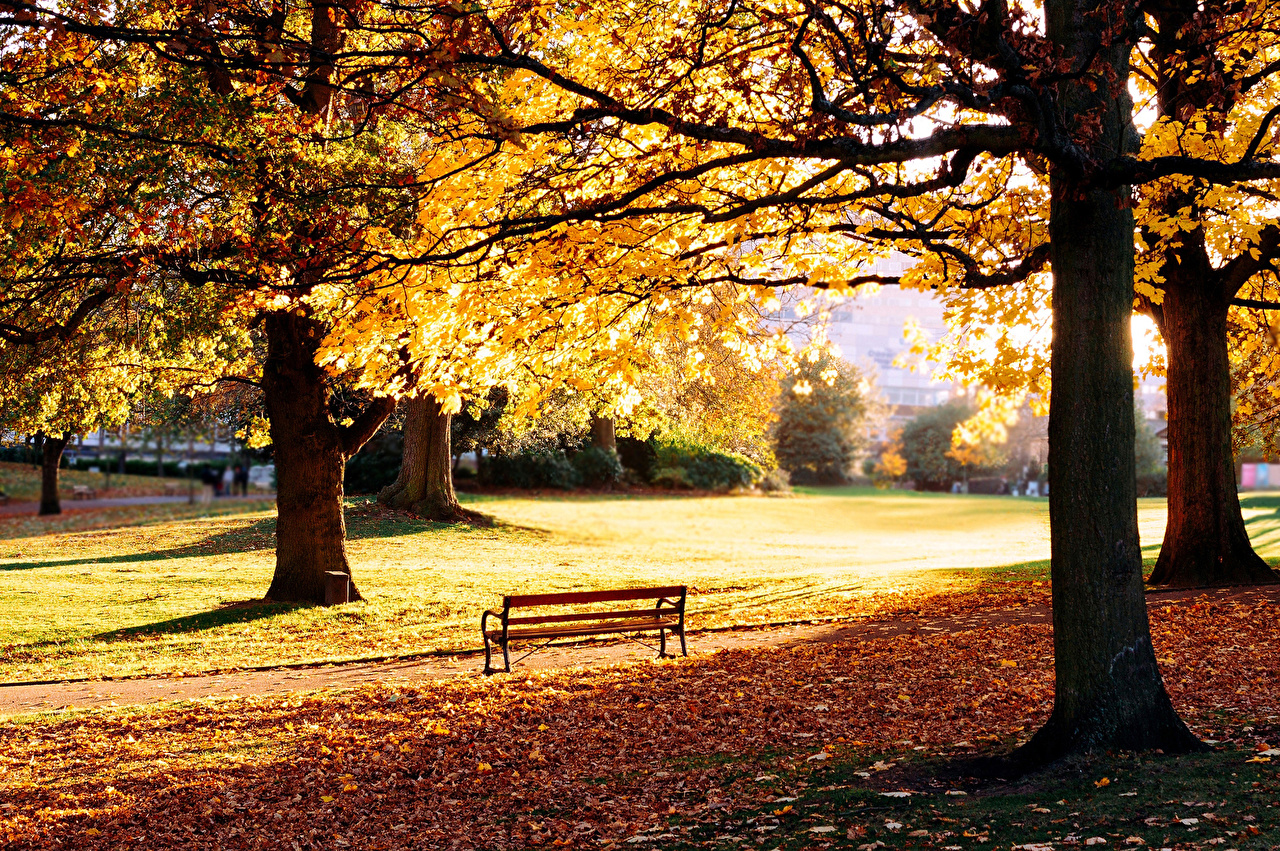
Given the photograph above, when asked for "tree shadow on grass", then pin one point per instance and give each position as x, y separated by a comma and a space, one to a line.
363, 523
227, 614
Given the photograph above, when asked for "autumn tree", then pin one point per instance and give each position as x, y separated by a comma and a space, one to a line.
1204, 271
888, 104
247, 181
1205, 249
758, 144
424, 484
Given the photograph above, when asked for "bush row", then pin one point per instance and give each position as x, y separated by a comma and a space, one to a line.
590, 467
673, 464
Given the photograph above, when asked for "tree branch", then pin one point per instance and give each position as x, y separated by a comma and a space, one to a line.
367, 424
24, 337
1255, 303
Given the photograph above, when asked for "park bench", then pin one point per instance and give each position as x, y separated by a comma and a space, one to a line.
83, 492
666, 615
173, 488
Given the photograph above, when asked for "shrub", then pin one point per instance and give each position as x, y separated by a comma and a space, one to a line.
132, 466
639, 456
597, 467
776, 481
539, 469
1153, 484
688, 464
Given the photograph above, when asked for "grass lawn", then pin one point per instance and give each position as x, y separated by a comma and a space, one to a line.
21, 483
857, 744
168, 589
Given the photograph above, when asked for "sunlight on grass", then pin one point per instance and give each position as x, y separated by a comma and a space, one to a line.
175, 588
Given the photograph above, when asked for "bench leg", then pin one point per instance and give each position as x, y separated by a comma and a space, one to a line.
684, 650
506, 656
488, 668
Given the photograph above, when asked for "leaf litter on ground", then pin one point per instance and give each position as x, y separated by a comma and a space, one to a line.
651, 754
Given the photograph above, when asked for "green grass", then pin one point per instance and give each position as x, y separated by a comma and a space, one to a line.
21, 483
1227, 799
168, 589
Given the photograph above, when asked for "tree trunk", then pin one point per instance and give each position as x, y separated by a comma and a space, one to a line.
424, 485
1205, 540
602, 435
1108, 692
311, 452
52, 460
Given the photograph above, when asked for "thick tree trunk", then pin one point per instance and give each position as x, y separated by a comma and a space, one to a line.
1205, 540
1108, 692
52, 460
311, 451
424, 485
602, 433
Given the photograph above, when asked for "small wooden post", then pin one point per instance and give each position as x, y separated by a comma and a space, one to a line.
337, 587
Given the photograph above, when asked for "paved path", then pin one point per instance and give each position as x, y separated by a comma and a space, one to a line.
42, 697
69, 504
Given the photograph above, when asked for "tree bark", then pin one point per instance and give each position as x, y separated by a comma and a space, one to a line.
1205, 539
424, 485
52, 460
602, 433
1108, 691
311, 452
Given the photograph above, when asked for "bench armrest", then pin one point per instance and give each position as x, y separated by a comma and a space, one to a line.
484, 619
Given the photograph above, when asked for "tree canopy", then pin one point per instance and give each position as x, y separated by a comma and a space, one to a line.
399, 190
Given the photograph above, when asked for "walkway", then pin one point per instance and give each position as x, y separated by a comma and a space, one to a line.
43, 697
20, 699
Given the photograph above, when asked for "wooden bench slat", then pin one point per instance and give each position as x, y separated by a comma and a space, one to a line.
570, 597
586, 616
590, 629
665, 615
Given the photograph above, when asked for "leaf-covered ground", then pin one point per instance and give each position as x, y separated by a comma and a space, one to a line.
96, 595
785, 748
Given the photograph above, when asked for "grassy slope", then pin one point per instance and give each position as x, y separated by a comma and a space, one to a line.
21, 482
173, 595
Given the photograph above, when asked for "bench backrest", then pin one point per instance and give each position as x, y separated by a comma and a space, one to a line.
676, 593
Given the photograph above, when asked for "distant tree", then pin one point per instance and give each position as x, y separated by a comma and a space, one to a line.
891, 466
820, 425
424, 484
927, 445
